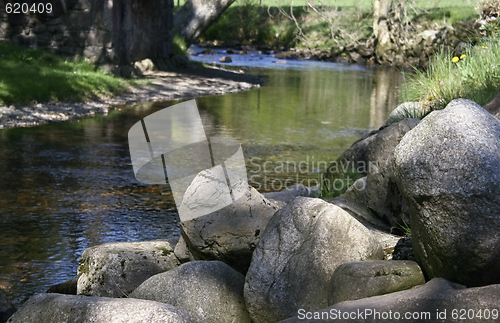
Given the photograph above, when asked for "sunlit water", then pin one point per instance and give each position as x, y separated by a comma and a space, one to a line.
68, 186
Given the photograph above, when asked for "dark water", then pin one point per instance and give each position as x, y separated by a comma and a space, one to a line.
68, 186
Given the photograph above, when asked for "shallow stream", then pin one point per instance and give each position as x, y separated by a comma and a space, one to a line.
65, 187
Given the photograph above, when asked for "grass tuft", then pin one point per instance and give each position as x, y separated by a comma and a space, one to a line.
474, 75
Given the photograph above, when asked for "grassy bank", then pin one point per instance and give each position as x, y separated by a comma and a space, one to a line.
28, 76
474, 75
334, 24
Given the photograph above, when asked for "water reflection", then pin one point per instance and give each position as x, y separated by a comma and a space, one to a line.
69, 186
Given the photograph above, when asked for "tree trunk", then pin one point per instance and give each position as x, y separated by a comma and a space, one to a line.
380, 21
196, 16
390, 28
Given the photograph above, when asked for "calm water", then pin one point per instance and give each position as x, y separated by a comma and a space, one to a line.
68, 186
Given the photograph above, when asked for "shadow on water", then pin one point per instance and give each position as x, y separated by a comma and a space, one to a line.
65, 187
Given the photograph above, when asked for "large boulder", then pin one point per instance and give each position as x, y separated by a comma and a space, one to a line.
209, 291
448, 169
361, 279
302, 245
437, 301
51, 308
231, 233
6, 309
379, 191
116, 269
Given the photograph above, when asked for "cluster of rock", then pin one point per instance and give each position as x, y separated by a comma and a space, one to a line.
114, 32
291, 257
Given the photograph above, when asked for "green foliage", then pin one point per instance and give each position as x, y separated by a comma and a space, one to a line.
179, 45
474, 75
447, 15
491, 29
29, 75
405, 228
249, 23
333, 23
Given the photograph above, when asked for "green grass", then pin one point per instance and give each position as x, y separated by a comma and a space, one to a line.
30, 76
475, 76
336, 185
179, 45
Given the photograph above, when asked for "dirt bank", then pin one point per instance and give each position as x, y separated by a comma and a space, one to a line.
158, 86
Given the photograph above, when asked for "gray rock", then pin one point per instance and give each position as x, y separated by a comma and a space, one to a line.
356, 157
406, 110
379, 191
116, 269
181, 251
404, 250
291, 192
448, 169
226, 59
356, 280
145, 65
6, 309
209, 291
68, 287
51, 308
437, 296
360, 212
378, 228
231, 233
302, 245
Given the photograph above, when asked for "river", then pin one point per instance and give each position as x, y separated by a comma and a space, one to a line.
68, 186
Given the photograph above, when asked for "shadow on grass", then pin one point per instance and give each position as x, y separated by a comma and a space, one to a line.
28, 75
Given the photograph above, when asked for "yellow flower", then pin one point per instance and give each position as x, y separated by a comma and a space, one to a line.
431, 98
463, 56
455, 59
484, 47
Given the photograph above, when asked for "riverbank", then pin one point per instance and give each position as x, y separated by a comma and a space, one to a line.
344, 33
153, 87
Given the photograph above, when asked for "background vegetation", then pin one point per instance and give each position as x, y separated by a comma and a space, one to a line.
325, 24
